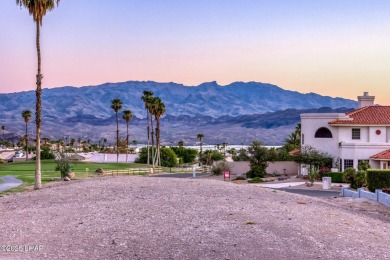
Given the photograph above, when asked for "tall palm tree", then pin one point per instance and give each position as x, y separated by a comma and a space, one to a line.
116, 104
158, 110
3, 130
152, 104
38, 9
146, 99
26, 114
127, 116
200, 138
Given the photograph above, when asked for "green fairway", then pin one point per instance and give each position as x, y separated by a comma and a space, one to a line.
26, 171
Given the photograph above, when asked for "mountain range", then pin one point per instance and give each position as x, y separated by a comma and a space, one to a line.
236, 113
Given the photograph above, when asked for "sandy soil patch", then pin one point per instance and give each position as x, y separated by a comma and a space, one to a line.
133, 217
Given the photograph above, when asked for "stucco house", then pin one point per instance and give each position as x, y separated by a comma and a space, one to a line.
359, 135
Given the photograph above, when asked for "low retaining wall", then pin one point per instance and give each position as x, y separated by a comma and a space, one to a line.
285, 167
378, 196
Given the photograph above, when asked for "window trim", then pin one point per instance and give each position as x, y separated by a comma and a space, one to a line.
354, 132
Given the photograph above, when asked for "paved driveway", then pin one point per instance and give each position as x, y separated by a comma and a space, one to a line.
313, 193
9, 183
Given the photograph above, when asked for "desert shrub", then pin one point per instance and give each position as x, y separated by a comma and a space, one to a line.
336, 176
256, 171
219, 168
239, 178
314, 173
63, 165
378, 179
361, 178
256, 180
349, 177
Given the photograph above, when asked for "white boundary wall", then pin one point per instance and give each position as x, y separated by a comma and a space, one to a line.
283, 167
378, 196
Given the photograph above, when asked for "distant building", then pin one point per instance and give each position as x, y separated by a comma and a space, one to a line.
360, 135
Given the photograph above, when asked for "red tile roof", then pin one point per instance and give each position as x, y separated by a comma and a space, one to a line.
296, 151
370, 115
382, 155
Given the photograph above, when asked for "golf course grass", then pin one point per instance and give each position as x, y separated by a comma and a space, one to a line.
25, 171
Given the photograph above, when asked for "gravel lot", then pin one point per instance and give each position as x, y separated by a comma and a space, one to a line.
134, 217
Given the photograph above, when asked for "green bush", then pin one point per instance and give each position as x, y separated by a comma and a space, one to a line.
256, 180
349, 177
378, 179
361, 178
314, 173
256, 171
239, 178
337, 177
219, 168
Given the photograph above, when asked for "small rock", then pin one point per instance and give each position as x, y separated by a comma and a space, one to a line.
99, 170
71, 175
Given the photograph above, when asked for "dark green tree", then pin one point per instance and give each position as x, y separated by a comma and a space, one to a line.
258, 160
186, 155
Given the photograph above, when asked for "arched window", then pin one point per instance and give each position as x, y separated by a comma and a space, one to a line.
323, 132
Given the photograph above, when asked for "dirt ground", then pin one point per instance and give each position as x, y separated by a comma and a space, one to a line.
133, 217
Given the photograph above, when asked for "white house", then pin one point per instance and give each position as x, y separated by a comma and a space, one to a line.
360, 135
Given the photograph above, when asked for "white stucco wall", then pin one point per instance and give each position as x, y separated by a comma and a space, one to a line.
288, 167
341, 145
310, 123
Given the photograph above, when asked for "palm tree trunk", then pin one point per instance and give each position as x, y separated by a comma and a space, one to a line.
147, 116
127, 141
158, 141
26, 143
152, 135
155, 158
117, 138
38, 93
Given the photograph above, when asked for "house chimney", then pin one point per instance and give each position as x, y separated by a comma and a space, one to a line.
365, 100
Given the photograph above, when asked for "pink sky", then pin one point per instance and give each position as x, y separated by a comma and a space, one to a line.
336, 47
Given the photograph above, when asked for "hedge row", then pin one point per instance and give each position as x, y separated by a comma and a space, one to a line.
337, 177
378, 179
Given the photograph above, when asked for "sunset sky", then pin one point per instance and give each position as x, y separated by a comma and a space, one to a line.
331, 47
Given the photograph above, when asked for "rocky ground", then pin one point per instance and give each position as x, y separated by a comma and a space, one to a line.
133, 217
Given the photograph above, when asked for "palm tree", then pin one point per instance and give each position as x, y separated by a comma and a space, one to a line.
158, 110
127, 116
151, 104
3, 130
38, 9
72, 141
146, 99
116, 104
46, 140
294, 139
105, 146
200, 138
26, 114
